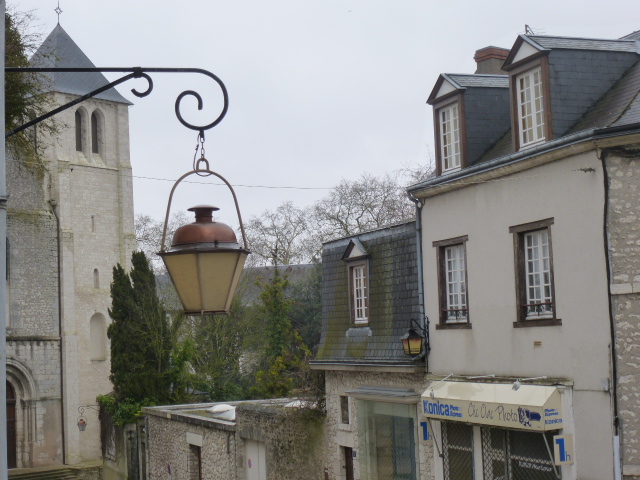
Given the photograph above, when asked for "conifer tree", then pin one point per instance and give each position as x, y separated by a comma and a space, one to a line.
140, 335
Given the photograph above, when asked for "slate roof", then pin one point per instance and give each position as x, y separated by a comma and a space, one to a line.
59, 50
393, 300
547, 42
595, 84
619, 106
632, 36
471, 80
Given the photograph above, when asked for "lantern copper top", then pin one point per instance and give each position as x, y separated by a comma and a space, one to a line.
204, 229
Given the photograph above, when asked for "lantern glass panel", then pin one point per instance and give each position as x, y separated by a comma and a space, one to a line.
205, 280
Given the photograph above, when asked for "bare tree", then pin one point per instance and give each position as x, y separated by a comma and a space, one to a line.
149, 235
279, 237
360, 205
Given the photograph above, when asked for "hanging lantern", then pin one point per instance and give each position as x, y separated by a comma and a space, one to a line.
205, 262
82, 424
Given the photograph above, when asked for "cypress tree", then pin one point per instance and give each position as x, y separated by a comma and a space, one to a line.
139, 334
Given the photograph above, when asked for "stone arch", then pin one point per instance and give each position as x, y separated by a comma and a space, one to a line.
81, 129
97, 132
26, 394
98, 337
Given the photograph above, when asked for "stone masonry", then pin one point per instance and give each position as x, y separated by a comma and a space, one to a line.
623, 230
339, 434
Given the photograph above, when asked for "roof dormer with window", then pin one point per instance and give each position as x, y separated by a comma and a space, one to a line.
464, 127
554, 81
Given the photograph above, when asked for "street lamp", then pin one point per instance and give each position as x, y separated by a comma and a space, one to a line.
209, 273
205, 262
412, 341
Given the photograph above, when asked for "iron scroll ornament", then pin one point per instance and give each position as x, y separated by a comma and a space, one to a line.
133, 72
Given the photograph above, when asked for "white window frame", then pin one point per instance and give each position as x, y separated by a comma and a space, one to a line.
359, 292
530, 102
449, 121
538, 286
455, 279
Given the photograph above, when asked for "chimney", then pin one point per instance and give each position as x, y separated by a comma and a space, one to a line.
489, 60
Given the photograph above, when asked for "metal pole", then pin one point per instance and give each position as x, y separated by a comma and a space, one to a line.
4, 470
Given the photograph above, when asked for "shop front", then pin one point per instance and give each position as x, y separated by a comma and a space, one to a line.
493, 431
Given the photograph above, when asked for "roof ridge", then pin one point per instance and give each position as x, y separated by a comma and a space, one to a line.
617, 40
480, 74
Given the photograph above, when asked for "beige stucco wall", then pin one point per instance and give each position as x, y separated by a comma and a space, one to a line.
337, 383
578, 350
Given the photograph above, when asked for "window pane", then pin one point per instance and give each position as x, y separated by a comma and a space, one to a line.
538, 274
455, 288
359, 292
450, 137
457, 444
531, 107
388, 443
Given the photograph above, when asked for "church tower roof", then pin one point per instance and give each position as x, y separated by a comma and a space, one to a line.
59, 50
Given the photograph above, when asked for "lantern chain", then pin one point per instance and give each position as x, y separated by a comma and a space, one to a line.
201, 165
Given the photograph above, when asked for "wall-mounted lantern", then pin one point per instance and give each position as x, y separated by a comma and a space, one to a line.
413, 343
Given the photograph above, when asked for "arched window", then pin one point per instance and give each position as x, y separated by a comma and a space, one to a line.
98, 337
96, 278
95, 133
79, 128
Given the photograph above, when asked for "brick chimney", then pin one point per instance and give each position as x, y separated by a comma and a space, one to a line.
489, 60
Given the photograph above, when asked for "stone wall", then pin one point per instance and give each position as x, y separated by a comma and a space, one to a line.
294, 440
168, 443
33, 333
623, 227
346, 435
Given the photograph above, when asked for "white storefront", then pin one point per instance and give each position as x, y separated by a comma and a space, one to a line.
499, 431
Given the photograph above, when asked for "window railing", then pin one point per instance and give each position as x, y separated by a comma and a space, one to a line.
456, 314
538, 310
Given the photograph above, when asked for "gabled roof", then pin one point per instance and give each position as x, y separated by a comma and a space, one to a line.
543, 43
59, 50
462, 81
632, 36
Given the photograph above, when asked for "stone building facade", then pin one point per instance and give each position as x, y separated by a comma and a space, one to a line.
370, 295
70, 220
253, 440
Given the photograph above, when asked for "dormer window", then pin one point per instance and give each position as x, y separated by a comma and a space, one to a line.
357, 261
449, 122
530, 107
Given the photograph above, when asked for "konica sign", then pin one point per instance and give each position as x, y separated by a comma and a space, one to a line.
536, 408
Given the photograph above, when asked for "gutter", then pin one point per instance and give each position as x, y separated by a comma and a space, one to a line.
423, 318
547, 147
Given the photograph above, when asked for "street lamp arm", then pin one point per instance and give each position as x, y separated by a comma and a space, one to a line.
131, 72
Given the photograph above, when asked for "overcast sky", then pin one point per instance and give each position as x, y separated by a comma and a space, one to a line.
319, 90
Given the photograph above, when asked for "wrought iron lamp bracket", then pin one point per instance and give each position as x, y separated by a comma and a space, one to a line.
131, 72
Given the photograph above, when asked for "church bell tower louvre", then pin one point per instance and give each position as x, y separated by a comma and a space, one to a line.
68, 223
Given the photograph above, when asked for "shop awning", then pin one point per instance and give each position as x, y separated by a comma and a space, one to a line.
531, 407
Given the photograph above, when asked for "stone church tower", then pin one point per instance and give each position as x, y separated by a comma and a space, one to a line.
70, 220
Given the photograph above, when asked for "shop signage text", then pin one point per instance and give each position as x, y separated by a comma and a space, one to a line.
514, 416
